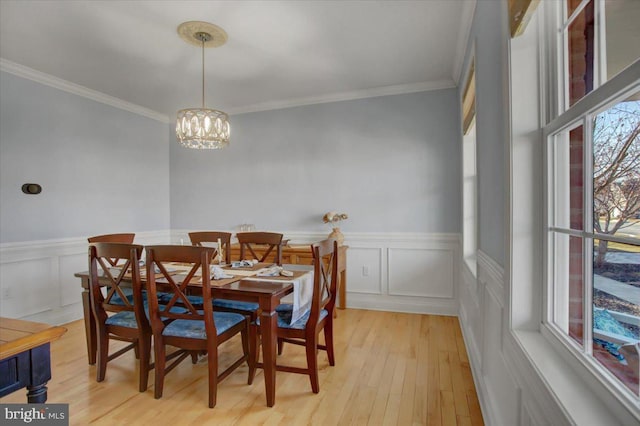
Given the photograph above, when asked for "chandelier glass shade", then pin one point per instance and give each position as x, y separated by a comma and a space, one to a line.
202, 128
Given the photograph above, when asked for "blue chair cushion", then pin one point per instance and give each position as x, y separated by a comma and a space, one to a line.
175, 310
283, 319
123, 319
234, 304
128, 292
195, 329
128, 318
166, 297
285, 311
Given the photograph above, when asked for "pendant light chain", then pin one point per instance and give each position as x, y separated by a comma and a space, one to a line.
202, 39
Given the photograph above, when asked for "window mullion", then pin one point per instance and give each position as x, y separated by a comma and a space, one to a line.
575, 13
600, 51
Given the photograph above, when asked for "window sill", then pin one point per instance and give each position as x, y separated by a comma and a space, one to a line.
577, 399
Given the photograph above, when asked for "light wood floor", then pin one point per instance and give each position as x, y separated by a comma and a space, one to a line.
391, 369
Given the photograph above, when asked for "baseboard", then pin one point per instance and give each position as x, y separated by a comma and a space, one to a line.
59, 316
412, 306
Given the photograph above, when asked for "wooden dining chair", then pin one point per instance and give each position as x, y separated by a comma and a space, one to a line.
201, 238
128, 321
306, 330
268, 242
112, 238
197, 329
249, 309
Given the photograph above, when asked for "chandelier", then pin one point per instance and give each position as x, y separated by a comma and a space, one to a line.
202, 128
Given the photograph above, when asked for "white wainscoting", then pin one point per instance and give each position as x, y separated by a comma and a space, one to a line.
483, 323
36, 277
399, 272
403, 272
510, 389
411, 272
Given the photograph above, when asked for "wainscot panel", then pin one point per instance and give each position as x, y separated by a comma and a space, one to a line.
388, 285
364, 267
26, 287
417, 272
510, 390
36, 277
420, 272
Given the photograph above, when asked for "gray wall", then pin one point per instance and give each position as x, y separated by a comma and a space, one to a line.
492, 130
102, 169
392, 163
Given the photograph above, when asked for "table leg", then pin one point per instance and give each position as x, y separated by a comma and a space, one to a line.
89, 325
39, 374
37, 394
342, 284
268, 329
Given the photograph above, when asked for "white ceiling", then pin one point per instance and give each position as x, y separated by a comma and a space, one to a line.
279, 53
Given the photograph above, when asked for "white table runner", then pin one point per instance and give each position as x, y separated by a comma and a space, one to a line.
301, 296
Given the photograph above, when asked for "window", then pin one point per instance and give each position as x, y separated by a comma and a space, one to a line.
600, 38
593, 191
469, 185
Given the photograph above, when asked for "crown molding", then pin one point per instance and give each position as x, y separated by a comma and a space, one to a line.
346, 96
76, 89
67, 86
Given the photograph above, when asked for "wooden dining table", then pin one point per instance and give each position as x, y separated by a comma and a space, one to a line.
267, 294
25, 358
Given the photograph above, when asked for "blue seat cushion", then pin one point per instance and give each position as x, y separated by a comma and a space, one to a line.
166, 297
234, 304
123, 319
128, 292
175, 310
195, 329
285, 311
284, 318
128, 318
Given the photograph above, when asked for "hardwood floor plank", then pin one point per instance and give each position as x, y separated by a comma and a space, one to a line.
459, 386
447, 407
474, 409
391, 369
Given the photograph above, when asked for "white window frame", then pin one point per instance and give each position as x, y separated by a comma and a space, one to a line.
470, 177
603, 95
470, 199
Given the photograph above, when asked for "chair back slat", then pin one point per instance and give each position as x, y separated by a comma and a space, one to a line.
271, 243
160, 278
201, 238
325, 278
113, 238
